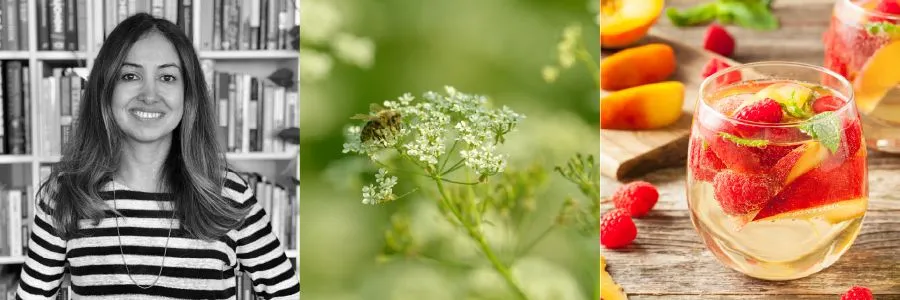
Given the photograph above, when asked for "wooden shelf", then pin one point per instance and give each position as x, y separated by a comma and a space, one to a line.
250, 54
11, 260
15, 159
61, 55
4, 55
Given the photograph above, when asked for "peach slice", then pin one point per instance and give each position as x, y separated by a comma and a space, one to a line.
648, 106
877, 77
833, 213
624, 22
609, 290
800, 160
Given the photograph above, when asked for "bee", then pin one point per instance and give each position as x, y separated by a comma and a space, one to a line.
379, 126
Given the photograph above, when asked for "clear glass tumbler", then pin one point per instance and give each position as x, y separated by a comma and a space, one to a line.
862, 43
776, 178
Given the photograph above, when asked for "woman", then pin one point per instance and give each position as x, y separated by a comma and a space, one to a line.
142, 205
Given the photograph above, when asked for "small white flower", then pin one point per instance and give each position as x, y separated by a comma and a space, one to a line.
319, 20
355, 50
550, 73
315, 65
382, 191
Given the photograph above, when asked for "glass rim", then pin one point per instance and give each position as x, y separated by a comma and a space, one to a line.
863, 10
844, 83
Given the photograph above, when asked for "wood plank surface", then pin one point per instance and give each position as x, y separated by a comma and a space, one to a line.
668, 259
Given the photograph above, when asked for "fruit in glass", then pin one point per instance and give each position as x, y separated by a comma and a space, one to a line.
776, 177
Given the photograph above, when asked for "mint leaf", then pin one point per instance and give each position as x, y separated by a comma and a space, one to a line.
884, 28
754, 14
797, 108
693, 16
825, 127
742, 141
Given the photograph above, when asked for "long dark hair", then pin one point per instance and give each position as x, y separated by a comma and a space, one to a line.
194, 171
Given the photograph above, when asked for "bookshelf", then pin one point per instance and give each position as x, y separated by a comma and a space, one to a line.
25, 169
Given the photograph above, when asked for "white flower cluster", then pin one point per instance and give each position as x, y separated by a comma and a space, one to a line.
429, 127
566, 52
383, 189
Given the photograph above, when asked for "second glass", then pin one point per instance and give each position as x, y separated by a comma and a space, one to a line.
776, 180
862, 43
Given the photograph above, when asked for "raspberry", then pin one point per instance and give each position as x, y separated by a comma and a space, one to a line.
734, 156
771, 154
740, 193
714, 65
827, 103
718, 40
852, 136
704, 163
858, 293
636, 197
764, 111
617, 230
891, 7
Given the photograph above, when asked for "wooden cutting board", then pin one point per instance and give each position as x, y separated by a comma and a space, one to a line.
627, 154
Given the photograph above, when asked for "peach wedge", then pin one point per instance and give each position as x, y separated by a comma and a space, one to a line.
877, 77
624, 22
833, 213
649, 106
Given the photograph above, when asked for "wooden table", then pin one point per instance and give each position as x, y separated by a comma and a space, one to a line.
669, 261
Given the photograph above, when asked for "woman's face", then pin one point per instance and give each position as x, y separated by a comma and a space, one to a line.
148, 99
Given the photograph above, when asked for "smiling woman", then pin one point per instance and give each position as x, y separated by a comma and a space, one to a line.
143, 203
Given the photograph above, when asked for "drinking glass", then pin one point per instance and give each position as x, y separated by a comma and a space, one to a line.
777, 201
863, 45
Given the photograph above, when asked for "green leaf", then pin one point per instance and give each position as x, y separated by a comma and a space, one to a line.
797, 108
754, 14
742, 141
699, 14
884, 28
826, 128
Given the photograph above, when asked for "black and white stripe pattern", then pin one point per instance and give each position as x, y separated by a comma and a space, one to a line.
194, 269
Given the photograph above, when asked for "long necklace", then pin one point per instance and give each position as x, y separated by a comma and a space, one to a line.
122, 251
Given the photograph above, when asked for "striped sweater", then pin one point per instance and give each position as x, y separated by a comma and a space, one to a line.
194, 269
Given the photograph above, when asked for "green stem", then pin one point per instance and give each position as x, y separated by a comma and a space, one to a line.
485, 248
588, 60
455, 166
537, 240
447, 158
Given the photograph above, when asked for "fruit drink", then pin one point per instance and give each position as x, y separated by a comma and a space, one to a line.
862, 44
776, 175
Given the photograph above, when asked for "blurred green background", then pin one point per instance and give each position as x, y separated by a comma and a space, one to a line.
357, 52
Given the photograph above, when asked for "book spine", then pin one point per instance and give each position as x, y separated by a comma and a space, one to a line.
110, 14
23, 25
188, 12
4, 134
253, 116
268, 121
43, 28
244, 26
65, 106
57, 25
226, 132
254, 24
272, 24
3, 25
217, 25
81, 25
71, 26
26, 108
206, 27
11, 14
244, 97
171, 10
278, 104
157, 8
4, 223
121, 10
77, 84
14, 201
233, 117
14, 111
